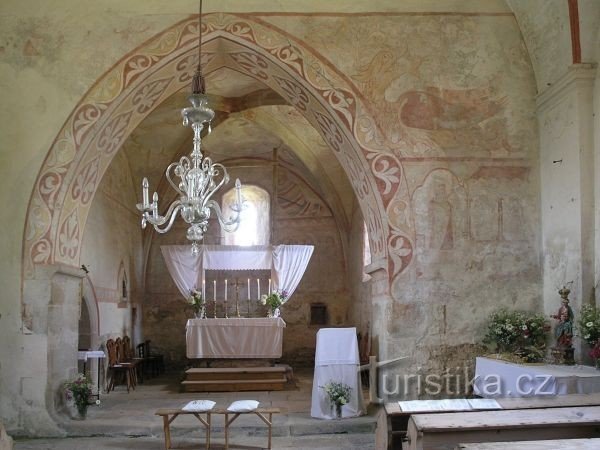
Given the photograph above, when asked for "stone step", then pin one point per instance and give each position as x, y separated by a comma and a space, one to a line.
234, 385
231, 373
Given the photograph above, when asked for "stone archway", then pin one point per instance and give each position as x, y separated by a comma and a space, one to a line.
116, 104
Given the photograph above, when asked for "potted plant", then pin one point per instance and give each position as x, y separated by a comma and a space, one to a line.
273, 301
79, 390
197, 302
339, 395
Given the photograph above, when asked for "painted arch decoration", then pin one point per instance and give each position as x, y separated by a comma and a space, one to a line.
119, 101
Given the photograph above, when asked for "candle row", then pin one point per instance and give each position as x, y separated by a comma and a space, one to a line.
215, 288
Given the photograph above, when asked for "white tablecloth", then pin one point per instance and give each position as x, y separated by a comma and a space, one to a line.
84, 355
495, 378
336, 359
234, 338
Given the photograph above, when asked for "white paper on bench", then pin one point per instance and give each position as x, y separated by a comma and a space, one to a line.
484, 403
199, 405
459, 404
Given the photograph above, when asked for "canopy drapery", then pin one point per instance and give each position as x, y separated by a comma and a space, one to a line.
287, 263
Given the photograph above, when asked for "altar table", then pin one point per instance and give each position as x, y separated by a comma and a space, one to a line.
234, 338
496, 378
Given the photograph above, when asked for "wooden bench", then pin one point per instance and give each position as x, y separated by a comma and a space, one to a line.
170, 414
562, 444
445, 431
392, 422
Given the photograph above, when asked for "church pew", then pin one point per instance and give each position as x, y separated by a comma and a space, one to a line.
562, 444
445, 431
392, 422
170, 414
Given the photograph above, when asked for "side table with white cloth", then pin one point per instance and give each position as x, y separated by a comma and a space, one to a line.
336, 359
496, 378
99, 355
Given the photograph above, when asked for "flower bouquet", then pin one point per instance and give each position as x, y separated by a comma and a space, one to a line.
197, 301
339, 395
79, 390
273, 301
589, 330
521, 335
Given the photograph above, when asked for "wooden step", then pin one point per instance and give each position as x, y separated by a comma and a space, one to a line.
248, 373
234, 385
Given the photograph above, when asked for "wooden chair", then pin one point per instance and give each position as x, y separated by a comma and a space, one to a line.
117, 372
157, 360
130, 357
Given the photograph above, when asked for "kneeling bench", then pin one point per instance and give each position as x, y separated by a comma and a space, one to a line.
170, 414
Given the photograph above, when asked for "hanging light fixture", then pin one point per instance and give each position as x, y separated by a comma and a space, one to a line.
199, 177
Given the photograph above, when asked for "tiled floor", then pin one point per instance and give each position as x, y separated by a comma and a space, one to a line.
127, 421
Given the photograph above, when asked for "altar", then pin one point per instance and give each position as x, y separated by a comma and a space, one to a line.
235, 338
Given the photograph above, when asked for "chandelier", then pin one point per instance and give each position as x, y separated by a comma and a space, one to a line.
196, 178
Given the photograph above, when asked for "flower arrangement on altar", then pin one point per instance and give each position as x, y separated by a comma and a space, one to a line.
196, 300
588, 326
79, 390
339, 395
274, 300
521, 334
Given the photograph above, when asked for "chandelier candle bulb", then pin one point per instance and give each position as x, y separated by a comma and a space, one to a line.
145, 196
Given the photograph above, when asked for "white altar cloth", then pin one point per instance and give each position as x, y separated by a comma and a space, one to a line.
336, 359
495, 378
234, 338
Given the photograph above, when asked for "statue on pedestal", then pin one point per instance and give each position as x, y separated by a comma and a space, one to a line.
563, 351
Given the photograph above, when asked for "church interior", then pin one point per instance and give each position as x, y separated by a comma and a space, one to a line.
410, 171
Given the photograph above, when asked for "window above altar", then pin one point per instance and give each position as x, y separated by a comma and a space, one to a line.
254, 227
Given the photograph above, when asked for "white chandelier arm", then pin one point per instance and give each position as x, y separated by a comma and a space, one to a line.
170, 216
211, 188
181, 168
232, 223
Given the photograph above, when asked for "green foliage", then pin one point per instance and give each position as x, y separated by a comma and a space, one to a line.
195, 299
79, 390
518, 332
339, 393
589, 324
274, 300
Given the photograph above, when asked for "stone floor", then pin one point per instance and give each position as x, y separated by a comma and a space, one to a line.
127, 421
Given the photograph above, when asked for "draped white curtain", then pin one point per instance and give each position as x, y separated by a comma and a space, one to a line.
287, 263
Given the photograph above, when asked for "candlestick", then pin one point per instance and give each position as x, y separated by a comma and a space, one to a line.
248, 288
225, 289
215, 298
258, 287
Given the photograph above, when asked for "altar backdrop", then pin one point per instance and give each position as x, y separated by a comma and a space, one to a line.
287, 263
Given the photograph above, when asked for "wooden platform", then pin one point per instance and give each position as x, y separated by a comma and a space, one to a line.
229, 379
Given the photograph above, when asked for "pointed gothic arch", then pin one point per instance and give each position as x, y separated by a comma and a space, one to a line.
128, 92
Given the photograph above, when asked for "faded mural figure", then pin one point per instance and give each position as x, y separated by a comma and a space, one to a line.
440, 218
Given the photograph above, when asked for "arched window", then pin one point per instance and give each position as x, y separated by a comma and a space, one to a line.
254, 227
366, 252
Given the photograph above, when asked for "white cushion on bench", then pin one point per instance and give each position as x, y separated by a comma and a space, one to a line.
243, 406
199, 405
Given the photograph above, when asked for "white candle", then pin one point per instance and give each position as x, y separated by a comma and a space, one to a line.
145, 200
225, 288
203, 288
248, 288
269, 292
258, 286
215, 290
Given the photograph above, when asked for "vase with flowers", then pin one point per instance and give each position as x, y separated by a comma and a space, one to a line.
79, 391
196, 300
588, 326
273, 301
339, 395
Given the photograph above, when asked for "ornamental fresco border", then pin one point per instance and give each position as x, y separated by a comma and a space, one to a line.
127, 93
